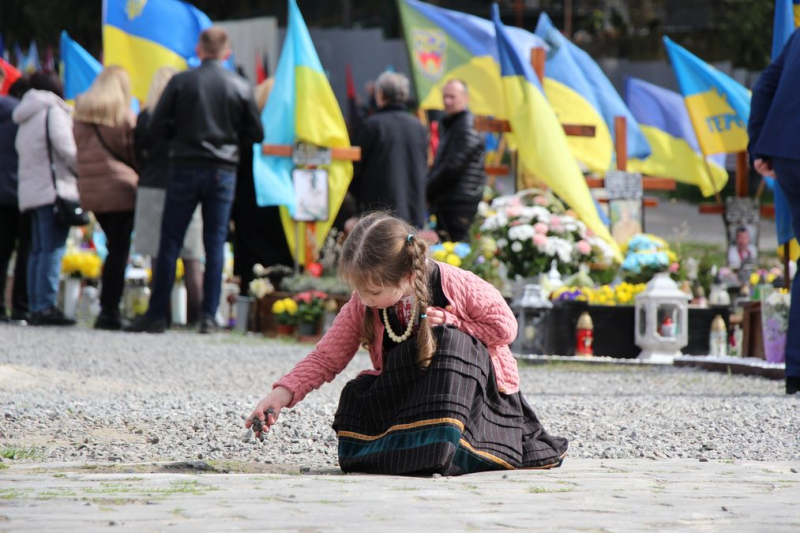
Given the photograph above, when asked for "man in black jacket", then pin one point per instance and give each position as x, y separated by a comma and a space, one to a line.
204, 114
391, 173
457, 177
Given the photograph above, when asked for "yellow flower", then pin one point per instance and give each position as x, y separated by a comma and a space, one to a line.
771, 277
754, 279
453, 259
279, 307
440, 255
291, 306
179, 270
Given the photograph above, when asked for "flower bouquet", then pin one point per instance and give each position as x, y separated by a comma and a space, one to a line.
621, 294
285, 313
310, 306
532, 228
775, 322
452, 253
81, 265
645, 256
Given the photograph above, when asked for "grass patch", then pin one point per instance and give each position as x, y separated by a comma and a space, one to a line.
176, 487
545, 490
3, 466
584, 367
50, 495
17, 454
13, 494
106, 509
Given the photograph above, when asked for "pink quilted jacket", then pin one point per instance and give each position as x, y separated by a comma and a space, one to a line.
476, 307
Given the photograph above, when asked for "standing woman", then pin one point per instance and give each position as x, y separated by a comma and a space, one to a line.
153, 158
104, 126
45, 134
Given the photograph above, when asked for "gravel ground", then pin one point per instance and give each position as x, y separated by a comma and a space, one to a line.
90, 396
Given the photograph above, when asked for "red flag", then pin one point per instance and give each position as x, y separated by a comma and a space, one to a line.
12, 75
434, 139
261, 71
354, 116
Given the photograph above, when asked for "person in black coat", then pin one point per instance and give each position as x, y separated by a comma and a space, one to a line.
15, 227
393, 166
457, 177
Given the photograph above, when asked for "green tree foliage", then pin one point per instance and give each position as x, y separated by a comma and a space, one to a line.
748, 32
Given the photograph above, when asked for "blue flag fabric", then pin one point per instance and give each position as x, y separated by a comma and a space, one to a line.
582, 84
78, 67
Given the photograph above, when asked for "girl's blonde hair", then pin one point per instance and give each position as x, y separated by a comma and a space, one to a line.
157, 85
108, 99
380, 253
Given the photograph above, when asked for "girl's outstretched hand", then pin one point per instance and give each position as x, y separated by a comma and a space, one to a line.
268, 410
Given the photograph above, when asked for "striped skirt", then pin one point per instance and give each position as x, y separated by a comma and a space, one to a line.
448, 419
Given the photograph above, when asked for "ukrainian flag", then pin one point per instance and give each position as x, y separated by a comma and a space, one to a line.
787, 19
78, 67
301, 107
718, 106
581, 93
543, 148
145, 35
664, 121
444, 44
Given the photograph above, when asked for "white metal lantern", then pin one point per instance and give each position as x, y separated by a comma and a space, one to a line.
532, 311
662, 320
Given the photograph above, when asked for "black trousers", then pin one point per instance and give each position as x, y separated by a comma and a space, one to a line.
454, 225
15, 233
118, 228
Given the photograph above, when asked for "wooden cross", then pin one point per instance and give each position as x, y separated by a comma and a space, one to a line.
351, 153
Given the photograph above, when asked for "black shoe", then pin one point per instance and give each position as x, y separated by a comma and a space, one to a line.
4, 317
108, 322
145, 324
792, 385
208, 325
20, 316
53, 317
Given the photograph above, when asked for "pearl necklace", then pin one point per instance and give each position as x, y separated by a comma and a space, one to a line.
411, 322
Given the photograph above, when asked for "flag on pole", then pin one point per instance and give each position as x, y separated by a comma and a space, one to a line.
542, 143
145, 36
78, 67
718, 106
581, 93
301, 107
12, 75
676, 154
261, 70
29, 63
444, 44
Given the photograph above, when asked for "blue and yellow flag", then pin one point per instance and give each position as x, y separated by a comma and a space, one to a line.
542, 143
787, 19
444, 44
78, 67
301, 107
718, 105
581, 93
662, 116
145, 35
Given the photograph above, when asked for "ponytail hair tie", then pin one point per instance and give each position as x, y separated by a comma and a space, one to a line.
423, 316
410, 237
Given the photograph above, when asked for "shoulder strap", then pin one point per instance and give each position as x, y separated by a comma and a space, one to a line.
107, 147
50, 148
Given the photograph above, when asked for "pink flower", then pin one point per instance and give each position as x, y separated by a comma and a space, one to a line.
514, 211
541, 227
674, 267
515, 202
539, 239
555, 224
584, 247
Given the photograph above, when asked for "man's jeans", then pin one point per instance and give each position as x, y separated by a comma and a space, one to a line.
214, 188
48, 242
788, 173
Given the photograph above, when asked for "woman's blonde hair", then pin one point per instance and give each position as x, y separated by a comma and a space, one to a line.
262, 92
157, 86
108, 99
381, 251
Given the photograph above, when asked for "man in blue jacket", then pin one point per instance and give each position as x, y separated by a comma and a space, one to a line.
774, 131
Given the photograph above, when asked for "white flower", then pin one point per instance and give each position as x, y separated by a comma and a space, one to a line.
502, 243
494, 222
259, 270
523, 232
483, 209
516, 246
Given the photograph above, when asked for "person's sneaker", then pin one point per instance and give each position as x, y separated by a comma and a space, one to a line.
4, 317
792, 385
20, 317
53, 317
108, 322
207, 325
145, 324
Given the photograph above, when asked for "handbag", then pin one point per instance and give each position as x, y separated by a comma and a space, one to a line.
68, 212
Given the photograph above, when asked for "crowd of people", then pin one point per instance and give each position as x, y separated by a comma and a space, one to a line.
168, 182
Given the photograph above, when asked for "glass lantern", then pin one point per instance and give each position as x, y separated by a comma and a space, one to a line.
662, 320
532, 311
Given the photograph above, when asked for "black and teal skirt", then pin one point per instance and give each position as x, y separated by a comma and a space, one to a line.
448, 419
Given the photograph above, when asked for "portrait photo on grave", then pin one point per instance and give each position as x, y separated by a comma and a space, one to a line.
742, 250
311, 193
